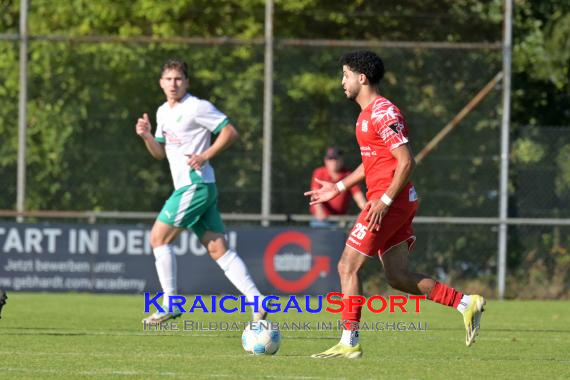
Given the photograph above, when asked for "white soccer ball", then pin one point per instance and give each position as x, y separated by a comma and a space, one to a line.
259, 338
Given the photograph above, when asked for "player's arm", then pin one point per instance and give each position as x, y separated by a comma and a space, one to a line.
329, 190
228, 135
404, 168
352, 179
225, 138
377, 208
143, 129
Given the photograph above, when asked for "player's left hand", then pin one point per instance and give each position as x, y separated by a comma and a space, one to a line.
325, 193
376, 211
195, 161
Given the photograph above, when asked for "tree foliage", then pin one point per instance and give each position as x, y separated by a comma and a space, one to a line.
85, 97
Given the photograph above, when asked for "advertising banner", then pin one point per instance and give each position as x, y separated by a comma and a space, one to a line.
118, 259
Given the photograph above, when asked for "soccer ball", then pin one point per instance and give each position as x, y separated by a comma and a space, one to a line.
259, 338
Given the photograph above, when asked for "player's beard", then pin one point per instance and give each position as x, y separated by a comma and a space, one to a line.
352, 95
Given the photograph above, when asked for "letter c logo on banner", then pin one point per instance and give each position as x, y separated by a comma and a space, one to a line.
321, 264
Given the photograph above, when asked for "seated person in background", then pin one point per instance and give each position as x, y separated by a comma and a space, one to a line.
333, 171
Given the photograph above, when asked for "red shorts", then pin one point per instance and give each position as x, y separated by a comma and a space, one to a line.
395, 228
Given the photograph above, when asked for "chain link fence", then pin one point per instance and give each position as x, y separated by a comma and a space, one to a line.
86, 94
541, 172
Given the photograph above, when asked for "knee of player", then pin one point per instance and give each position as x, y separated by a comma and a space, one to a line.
215, 244
345, 268
216, 252
157, 240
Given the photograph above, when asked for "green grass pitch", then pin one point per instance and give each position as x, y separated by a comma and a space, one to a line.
87, 336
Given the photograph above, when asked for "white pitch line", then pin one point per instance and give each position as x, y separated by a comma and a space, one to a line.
93, 372
147, 373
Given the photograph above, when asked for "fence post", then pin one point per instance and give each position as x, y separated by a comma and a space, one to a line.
267, 113
22, 114
504, 174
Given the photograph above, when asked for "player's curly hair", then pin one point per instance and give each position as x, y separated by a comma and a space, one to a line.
365, 62
175, 64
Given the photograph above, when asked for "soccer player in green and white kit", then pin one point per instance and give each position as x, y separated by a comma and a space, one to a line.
185, 125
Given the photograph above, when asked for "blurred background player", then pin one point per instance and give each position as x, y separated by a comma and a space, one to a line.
384, 227
333, 171
185, 125
3, 299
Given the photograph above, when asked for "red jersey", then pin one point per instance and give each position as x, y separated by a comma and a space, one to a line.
339, 204
379, 129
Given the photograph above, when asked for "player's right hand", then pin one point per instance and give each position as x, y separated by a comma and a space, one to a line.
376, 211
143, 126
327, 192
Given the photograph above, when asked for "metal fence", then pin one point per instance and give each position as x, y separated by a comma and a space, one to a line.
459, 220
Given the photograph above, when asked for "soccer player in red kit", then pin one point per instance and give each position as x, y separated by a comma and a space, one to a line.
384, 227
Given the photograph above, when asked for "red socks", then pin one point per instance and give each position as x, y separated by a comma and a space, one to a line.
352, 318
445, 295
441, 293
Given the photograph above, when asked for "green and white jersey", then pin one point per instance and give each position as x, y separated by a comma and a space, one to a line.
186, 129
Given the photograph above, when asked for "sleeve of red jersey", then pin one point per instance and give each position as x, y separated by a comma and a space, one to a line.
390, 125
